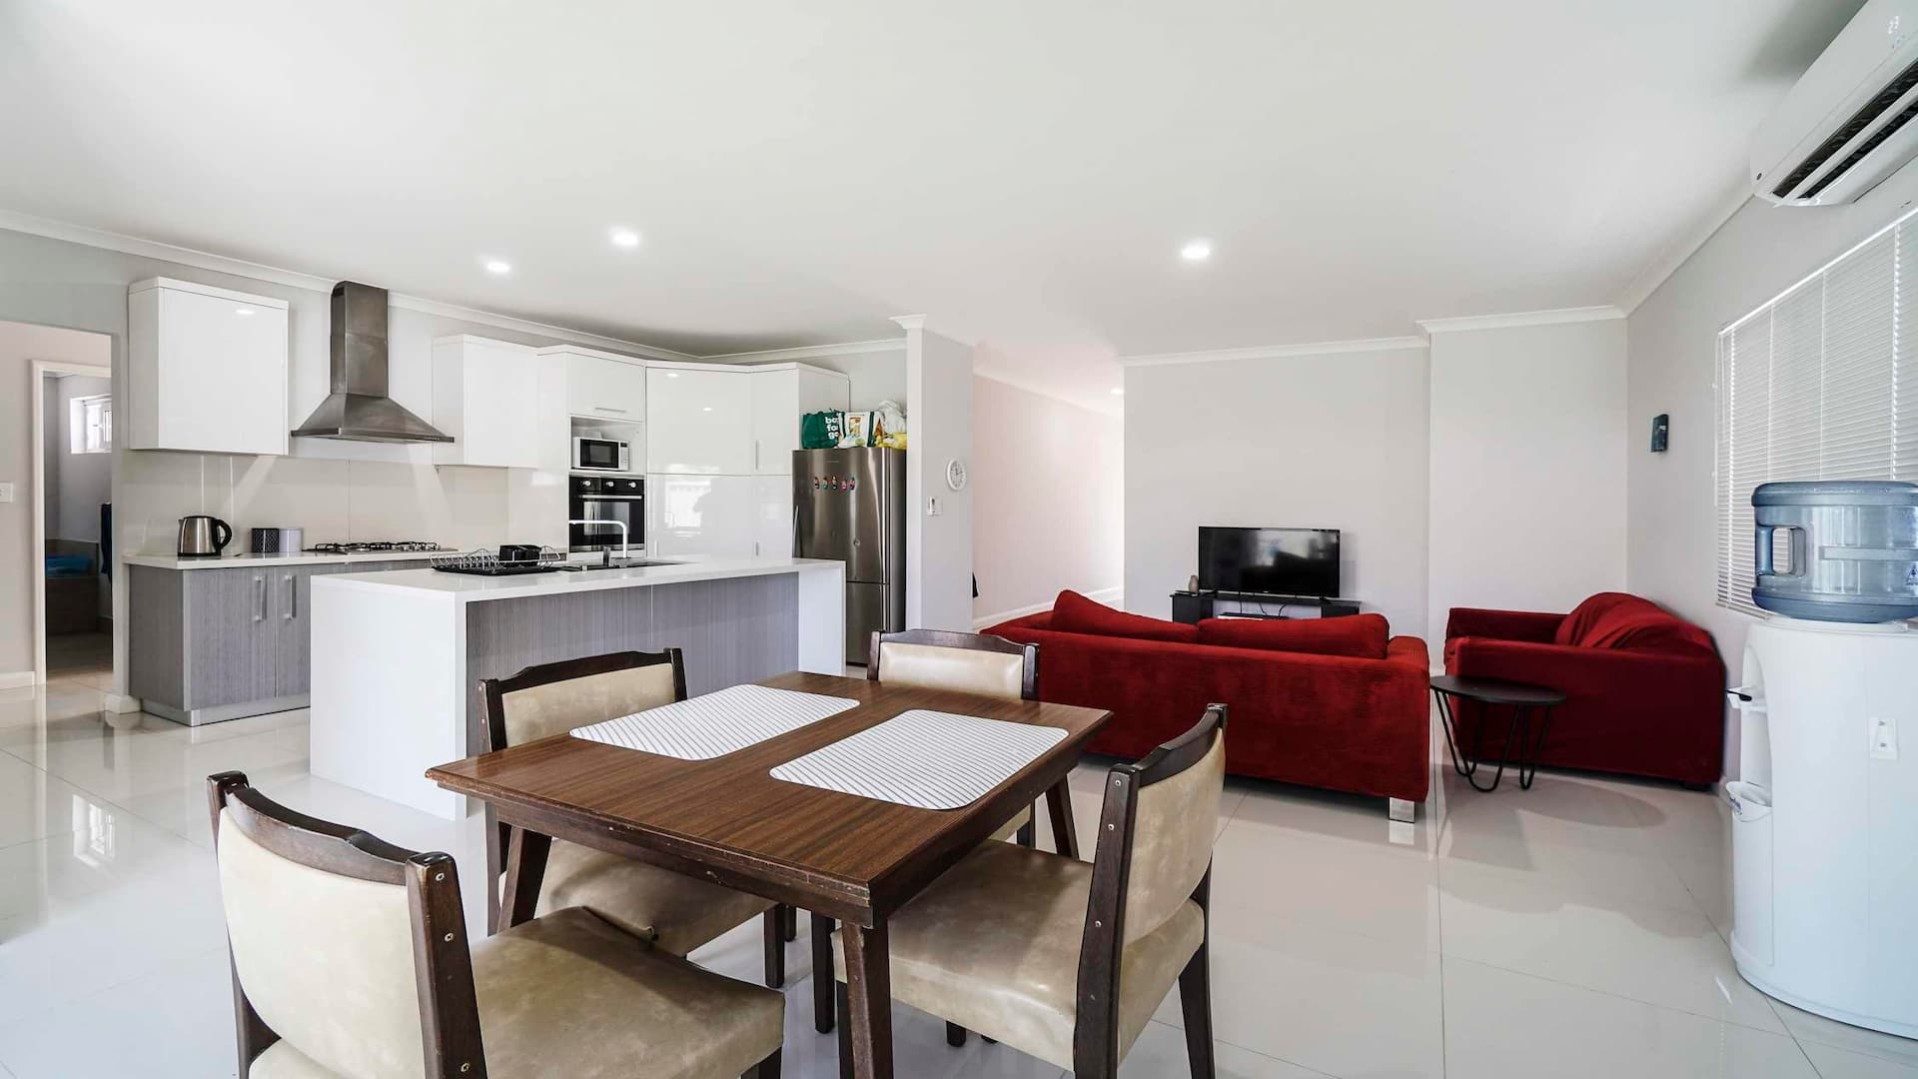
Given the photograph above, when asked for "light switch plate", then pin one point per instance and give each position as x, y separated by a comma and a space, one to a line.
6, 492
1884, 739
932, 507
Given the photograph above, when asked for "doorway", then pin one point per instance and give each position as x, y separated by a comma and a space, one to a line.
76, 515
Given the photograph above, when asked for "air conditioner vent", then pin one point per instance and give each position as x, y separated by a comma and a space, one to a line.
1859, 121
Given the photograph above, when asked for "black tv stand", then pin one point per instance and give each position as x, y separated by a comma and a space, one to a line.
1189, 607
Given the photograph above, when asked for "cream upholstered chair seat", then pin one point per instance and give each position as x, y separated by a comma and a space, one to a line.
994, 947
677, 912
570, 995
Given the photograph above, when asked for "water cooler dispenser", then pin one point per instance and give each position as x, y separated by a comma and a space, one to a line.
1825, 807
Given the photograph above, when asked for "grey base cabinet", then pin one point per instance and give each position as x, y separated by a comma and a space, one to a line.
207, 645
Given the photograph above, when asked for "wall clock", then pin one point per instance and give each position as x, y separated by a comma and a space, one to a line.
956, 474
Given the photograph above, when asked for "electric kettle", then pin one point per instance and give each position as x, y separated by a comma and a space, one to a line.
203, 537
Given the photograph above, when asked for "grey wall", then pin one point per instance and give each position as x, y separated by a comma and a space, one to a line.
1338, 441
1671, 525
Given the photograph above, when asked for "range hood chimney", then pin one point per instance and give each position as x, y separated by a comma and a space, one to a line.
358, 409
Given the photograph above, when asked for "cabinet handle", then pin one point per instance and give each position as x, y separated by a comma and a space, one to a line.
259, 598
755, 455
292, 599
608, 408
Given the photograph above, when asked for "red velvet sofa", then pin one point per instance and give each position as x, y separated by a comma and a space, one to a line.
1341, 707
1645, 690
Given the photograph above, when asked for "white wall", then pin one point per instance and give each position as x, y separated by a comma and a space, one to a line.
939, 421
1048, 500
1672, 528
19, 562
1528, 466
1335, 441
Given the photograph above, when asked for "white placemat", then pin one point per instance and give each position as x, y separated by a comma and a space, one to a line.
715, 724
932, 760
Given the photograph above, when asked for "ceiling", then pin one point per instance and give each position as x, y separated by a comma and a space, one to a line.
1025, 173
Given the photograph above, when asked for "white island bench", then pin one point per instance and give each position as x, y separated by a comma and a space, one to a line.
398, 656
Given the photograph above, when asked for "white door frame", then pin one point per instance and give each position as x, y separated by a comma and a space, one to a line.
40, 370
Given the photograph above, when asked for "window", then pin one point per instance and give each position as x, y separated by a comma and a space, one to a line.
91, 424
1819, 383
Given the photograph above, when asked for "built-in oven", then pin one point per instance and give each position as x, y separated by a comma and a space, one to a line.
607, 502
602, 455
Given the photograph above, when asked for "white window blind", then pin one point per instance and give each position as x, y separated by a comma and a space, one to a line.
1820, 383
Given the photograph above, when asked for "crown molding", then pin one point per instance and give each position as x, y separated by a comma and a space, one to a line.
1278, 352
254, 271
809, 352
1553, 317
1022, 385
1668, 260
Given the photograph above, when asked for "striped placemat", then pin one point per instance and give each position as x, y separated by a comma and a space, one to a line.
715, 724
932, 760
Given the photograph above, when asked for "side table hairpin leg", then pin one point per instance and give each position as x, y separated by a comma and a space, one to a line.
1529, 723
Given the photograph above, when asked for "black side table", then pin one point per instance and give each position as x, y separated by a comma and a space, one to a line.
1531, 707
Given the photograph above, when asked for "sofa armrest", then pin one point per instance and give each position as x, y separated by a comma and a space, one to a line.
1410, 651
1537, 626
1584, 672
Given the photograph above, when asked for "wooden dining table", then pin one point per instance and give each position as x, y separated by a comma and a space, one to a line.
727, 820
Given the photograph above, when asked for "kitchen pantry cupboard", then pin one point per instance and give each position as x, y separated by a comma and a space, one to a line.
206, 370
602, 385
781, 395
699, 422
486, 395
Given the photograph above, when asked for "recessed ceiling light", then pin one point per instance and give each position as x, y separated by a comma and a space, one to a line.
243, 310
1118, 391
625, 238
1196, 250
499, 266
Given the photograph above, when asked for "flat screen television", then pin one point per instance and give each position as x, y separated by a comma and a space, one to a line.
1269, 561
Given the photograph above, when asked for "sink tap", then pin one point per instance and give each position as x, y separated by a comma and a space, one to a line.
606, 553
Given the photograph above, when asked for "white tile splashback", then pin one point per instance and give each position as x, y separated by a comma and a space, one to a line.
332, 500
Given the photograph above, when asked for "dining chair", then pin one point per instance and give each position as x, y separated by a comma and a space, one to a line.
1064, 960
675, 912
351, 961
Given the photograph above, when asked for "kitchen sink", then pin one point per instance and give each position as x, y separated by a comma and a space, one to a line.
633, 563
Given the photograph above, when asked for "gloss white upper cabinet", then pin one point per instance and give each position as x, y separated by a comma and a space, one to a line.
486, 395
602, 385
699, 422
206, 369
780, 396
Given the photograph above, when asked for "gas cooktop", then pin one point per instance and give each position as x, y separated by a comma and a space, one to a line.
380, 547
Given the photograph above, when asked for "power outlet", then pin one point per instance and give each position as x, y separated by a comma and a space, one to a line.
6, 492
1884, 739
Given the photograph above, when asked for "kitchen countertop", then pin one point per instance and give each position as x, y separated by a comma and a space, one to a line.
302, 558
464, 588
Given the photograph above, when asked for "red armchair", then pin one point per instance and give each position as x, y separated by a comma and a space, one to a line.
1645, 690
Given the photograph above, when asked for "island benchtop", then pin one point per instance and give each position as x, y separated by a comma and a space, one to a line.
465, 588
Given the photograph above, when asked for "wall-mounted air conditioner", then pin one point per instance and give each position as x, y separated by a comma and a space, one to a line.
1848, 123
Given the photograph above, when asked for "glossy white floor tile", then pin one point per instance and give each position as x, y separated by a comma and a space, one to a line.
1574, 929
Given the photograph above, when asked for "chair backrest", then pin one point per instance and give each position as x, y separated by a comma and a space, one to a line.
350, 949
1156, 831
961, 662
553, 698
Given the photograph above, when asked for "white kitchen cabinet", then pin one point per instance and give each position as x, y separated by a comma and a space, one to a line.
781, 395
772, 516
486, 395
602, 385
689, 515
206, 368
699, 422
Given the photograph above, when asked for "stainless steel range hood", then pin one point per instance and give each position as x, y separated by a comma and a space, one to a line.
358, 409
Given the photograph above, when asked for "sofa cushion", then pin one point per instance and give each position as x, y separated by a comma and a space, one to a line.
1359, 635
1074, 613
1621, 620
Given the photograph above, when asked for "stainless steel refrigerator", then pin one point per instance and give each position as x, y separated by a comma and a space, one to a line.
850, 505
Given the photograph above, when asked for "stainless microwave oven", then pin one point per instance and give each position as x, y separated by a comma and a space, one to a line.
602, 455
